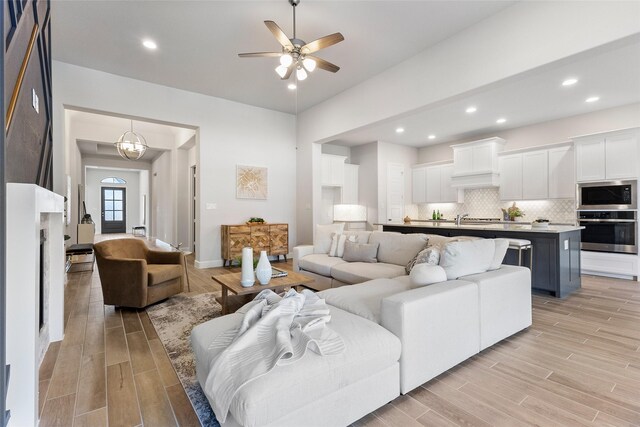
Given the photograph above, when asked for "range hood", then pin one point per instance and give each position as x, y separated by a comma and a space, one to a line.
475, 164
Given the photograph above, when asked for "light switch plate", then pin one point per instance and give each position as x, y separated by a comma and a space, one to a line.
566, 245
211, 206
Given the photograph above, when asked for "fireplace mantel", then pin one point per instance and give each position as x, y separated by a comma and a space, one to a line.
31, 208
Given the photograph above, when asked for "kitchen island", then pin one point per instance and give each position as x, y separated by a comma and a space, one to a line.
556, 249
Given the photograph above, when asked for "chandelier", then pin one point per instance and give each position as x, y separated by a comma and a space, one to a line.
130, 145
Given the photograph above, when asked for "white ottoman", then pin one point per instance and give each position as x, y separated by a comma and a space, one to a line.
315, 391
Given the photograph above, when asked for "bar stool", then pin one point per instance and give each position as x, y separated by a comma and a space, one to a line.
522, 245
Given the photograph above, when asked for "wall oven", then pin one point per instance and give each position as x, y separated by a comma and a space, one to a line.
609, 231
607, 195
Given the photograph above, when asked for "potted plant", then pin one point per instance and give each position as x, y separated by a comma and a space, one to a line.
514, 212
256, 221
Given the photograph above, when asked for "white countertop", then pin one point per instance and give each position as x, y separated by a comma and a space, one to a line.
515, 227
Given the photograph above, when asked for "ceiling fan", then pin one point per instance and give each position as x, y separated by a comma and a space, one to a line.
296, 54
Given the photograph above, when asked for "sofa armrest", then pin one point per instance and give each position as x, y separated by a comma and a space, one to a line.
165, 257
300, 252
123, 281
438, 326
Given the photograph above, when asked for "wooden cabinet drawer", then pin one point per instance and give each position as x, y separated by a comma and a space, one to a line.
278, 228
233, 229
255, 229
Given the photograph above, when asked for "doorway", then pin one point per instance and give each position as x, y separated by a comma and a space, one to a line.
395, 192
114, 210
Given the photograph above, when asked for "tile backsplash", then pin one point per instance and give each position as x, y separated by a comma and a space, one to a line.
486, 203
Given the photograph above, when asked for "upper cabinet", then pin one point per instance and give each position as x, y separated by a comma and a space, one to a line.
432, 184
607, 156
538, 174
475, 164
332, 174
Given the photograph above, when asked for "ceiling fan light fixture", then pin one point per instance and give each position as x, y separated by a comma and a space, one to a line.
301, 74
281, 70
309, 64
286, 59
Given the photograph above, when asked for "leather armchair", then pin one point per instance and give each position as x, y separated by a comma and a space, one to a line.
132, 275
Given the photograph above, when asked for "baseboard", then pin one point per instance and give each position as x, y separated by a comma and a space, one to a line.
208, 264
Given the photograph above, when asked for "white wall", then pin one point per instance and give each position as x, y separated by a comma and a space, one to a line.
223, 140
338, 150
162, 200
520, 38
93, 194
547, 132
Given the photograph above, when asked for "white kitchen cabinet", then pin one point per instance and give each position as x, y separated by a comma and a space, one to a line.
433, 184
448, 194
621, 156
332, 170
463, 160
562, 183
535, 175
608, 155
350, 187
510, 177
590, 160
419, 185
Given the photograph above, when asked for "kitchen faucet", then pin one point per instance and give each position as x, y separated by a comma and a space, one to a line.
459, 218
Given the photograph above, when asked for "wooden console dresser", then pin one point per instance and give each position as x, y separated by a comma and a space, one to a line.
273, 238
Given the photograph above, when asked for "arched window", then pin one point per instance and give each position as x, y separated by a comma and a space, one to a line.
113, 180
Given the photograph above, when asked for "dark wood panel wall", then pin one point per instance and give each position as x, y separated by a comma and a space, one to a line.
27, 92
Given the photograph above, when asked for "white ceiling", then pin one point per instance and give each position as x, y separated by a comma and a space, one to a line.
198, 41
610, 72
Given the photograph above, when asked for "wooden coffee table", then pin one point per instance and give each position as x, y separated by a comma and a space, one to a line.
230, 282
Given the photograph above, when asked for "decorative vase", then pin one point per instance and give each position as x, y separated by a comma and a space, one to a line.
247, 279
264, 270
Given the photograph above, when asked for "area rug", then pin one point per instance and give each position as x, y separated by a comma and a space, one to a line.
173, 320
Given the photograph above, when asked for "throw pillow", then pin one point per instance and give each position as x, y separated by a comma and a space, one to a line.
426, 274
467, 257
337, 244
322, 238
501, 250
342, 243
360, 252
429, 255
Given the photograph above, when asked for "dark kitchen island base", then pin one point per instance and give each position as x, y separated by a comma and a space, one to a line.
556, 254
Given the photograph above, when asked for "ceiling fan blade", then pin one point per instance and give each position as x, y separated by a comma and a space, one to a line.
322, 43
289, 71
325, 65
259, 54
279, 34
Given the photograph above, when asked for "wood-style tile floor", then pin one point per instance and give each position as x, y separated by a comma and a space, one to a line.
579, 364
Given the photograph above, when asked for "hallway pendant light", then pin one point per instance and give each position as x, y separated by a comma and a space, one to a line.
130, 145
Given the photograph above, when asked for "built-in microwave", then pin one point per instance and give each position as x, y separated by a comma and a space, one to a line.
607, 195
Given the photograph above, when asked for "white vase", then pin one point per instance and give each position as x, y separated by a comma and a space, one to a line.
263, 270
247, 279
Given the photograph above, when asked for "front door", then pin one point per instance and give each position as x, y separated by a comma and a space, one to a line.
114, 218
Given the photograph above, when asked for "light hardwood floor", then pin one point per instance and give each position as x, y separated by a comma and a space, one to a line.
579, 364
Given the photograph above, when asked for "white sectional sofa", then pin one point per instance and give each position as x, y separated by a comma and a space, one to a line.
395, 250
400, 336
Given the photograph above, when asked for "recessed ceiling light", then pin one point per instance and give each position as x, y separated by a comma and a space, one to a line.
292, 86
569, 82
149, 44
471, 110
501, 120
432, 137
399, 130
592, 99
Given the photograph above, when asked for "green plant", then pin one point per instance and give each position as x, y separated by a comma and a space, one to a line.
257, 220
239, 261
514, 211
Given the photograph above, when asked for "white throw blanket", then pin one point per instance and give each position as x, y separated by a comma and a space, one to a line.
274, 331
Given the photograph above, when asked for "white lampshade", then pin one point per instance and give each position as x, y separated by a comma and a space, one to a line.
281, 70
349, 213
301, 74
309, 64
286, 59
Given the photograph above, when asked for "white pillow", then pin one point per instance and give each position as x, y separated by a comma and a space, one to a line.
501, 250
467, 257
322, 238
426, 274
337, 244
